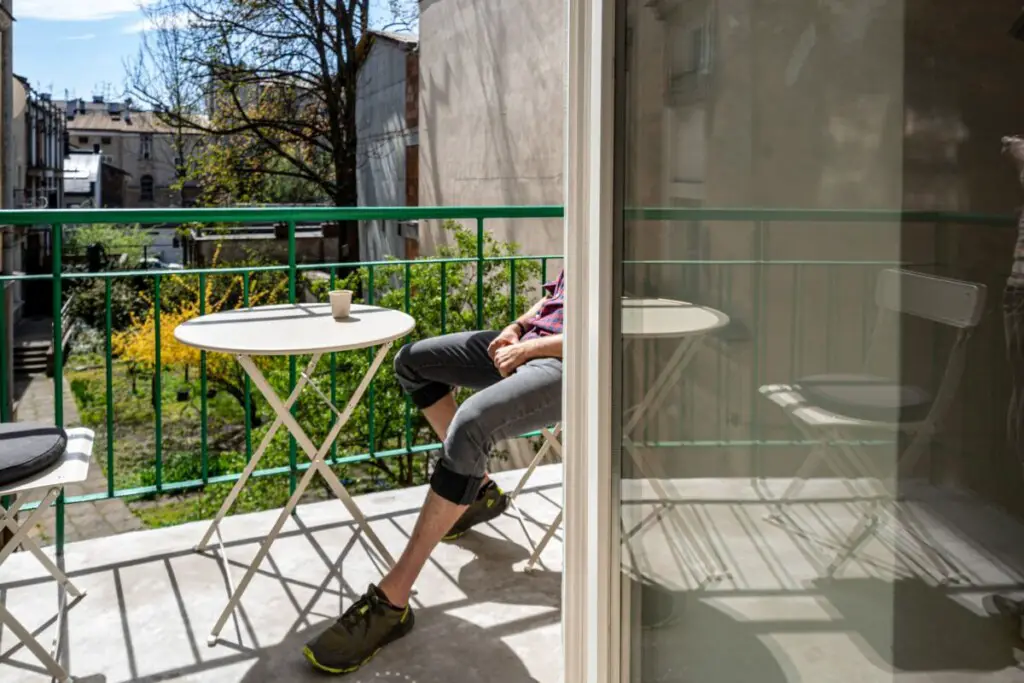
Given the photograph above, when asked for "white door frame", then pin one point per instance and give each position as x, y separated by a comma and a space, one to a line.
591, 602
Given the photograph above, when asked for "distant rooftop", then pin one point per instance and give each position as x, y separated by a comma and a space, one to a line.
98, 115
407, 38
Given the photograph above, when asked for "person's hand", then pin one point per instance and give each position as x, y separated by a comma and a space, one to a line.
508, 337
508, 358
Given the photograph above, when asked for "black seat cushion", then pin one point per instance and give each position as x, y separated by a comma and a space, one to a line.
27, 449
866, 397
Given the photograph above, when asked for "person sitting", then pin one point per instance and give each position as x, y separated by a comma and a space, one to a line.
517, 376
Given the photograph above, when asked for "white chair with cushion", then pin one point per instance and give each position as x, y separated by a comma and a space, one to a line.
39, 458
836, 411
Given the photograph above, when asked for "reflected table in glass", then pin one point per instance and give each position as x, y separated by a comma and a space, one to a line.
293, 330
650, 319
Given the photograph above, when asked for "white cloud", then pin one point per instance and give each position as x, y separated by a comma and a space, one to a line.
75, 10
163, 22
84, 36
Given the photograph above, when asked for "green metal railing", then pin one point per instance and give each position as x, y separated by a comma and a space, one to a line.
712, 283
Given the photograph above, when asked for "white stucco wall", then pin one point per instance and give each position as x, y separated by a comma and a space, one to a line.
492, 100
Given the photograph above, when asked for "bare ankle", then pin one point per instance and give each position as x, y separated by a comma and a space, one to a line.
394, 596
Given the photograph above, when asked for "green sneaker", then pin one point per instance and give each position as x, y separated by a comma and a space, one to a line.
365, 627
489, 503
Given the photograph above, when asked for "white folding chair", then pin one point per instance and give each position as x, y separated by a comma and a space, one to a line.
551, 443
72, 468
834, 416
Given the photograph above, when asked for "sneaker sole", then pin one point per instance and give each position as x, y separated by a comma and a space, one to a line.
311, 657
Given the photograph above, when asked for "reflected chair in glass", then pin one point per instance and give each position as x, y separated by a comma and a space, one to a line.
836, 411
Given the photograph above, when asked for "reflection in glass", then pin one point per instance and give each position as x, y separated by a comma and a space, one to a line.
821, 476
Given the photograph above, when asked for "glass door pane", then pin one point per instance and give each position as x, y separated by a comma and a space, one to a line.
821, 469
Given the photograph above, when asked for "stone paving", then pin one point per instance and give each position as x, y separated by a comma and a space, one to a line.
82, 521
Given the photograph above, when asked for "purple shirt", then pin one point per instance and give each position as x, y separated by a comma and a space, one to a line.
550, 317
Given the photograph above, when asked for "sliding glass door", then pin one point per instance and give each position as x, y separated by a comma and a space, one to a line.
813, 469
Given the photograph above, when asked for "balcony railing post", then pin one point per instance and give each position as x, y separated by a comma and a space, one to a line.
293, 451
248, 382
108, 334
57, 242
408, 401
444, 297
157, 387
5, 365
204, 404
480, 273
5, 392
758, 283
371, 417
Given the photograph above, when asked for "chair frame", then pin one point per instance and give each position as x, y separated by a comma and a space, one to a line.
72, 468
945, 301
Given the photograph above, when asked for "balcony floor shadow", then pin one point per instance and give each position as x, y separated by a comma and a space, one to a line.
151, 600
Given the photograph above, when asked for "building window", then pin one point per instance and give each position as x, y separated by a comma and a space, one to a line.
83, 139
106, 141
146, 145
146, 188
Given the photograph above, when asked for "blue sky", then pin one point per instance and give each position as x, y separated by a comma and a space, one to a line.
77, 45
81, 45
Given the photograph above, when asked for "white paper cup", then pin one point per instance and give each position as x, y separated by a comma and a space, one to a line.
341, 303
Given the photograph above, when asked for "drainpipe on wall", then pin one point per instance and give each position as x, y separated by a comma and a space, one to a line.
7, 104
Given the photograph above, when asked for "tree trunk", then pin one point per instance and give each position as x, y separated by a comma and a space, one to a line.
239, 395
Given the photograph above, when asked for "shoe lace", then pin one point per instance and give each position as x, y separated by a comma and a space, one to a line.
358, 616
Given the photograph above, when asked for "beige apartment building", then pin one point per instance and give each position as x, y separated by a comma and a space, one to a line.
138, 143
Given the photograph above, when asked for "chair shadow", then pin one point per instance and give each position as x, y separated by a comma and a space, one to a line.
915, 627
440, 648
492, 575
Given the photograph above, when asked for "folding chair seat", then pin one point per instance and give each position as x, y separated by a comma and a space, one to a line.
835, 410
39, 458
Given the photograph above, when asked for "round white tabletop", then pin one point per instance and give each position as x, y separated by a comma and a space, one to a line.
293, 330
665, 318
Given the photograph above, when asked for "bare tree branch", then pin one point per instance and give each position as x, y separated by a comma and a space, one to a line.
276, 79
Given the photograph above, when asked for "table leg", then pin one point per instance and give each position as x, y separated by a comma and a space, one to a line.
256, 457
318, 457
650, 403
317, 465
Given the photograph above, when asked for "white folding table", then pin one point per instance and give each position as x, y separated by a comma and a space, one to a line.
72, 468
293, 330
649, 319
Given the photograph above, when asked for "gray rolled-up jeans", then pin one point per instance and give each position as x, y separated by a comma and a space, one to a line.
501, 408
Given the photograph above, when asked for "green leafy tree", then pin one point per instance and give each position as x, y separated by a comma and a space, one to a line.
116, 239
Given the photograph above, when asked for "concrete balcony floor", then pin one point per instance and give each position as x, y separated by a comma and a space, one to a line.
151, 599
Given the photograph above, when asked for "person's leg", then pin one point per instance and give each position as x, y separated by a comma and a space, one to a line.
429, 370
528, 400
